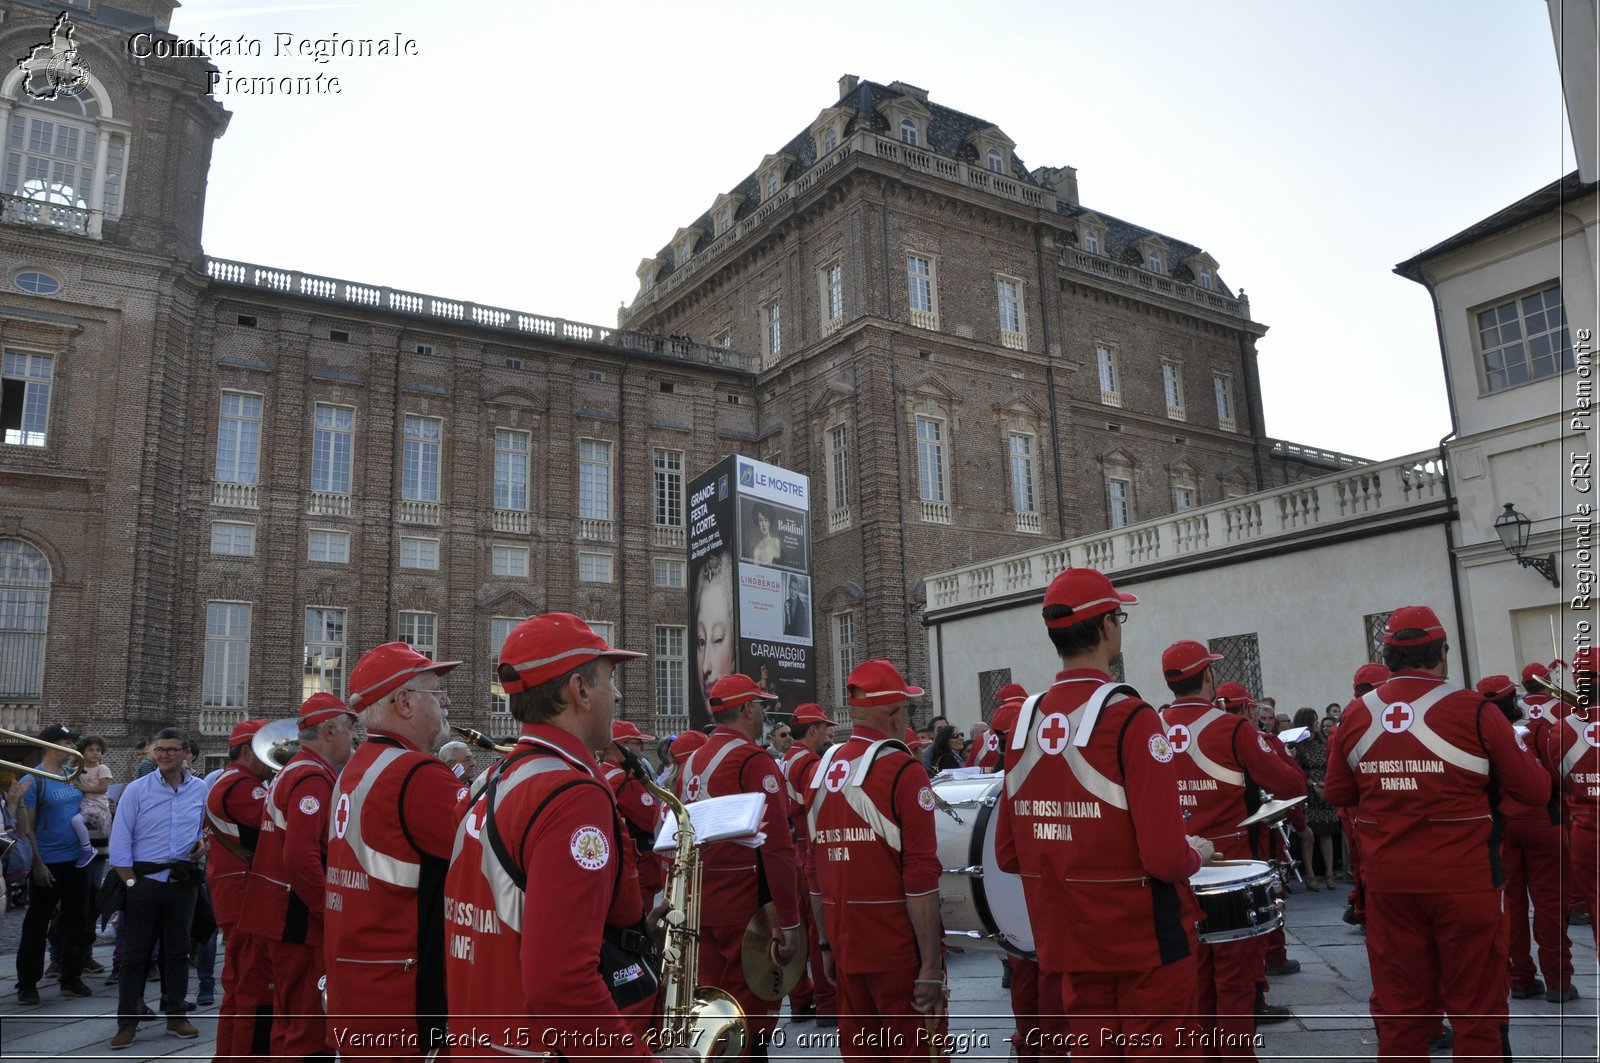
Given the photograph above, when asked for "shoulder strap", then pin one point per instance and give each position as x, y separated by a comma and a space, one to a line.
1091, 708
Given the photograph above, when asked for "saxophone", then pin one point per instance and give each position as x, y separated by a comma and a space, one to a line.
705, 1020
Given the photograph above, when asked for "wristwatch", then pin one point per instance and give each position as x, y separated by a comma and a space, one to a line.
128, 882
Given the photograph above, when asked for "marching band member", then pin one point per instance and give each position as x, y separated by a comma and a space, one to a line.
542, 873
638, 806
393, 829
875, 852
1223, 762
813, 996
284, 898
1530, 851
677, 754
1090, 819
989, 755
1573, 748
733, 876
1417, 759
1367, 677
234, 808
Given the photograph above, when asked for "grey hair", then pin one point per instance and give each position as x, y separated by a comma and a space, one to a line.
449, 750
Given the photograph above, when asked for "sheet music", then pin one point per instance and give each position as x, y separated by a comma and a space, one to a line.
1291, 735
734, 818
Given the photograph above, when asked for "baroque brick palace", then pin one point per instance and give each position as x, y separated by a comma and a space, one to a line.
220, 482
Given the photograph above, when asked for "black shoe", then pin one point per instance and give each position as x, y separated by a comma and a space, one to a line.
53, 971
1270, 1014
1523, 993
1444, 1042
76, 988
1561, 996
205, 999
27, 996
1005, 977
1350, 915
1578, 919
1286, 967
805, 1014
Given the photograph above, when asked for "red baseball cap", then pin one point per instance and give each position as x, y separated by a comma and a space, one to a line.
1009, 691
1087, 593
1186, 659
1495, 687
1417, 618
1586, 661
1371, 675
734, 690
322, 707
877, 682
244, 731
384, 669
1235, 696
1536, 669
628, 731
810, 712
685, 744
915, 741
1005, 717
547, 647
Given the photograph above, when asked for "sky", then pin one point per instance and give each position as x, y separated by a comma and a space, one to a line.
529, 154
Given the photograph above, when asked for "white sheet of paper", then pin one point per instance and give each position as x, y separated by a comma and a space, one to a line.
1289, 736
736, 817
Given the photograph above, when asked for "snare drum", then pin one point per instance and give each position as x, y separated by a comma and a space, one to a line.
976, 899
1237, 897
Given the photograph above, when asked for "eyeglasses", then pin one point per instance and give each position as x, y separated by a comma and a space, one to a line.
438, 692
1119, 617
164, 751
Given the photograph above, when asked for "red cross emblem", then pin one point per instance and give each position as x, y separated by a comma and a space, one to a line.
1397, 718
693, 789
838, 772
1053, 733
1535, 710
341, 816
991, 742
1178, 737
1591, 734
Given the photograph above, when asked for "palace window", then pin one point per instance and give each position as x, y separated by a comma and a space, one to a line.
63, 163
510, 470
332, 446
226, 678
1524, 339
24, 619
25, 397
324, 652
239, 438
419, 475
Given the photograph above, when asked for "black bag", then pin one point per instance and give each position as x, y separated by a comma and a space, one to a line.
111, 897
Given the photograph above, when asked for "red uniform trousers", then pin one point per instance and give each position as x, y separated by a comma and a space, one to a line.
1530, 851
299, 1025
1357, 899
877, 1021
1584, 845
1419, 941
1042, 1032
1131, 1014
814, 987
721, 966
244, 1019
1229, 975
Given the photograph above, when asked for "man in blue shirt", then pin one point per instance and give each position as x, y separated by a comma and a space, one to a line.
155, 846
46, 820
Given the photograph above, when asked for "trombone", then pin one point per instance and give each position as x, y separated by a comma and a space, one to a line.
26, 739
1561, 694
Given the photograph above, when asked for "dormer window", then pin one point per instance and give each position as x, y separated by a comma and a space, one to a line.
770, 174
908, 131
1091, 242
996, 161
683, 242
772, 185
1205, 279
648, 268
724, 220
723, 210
1154, 261
830, 140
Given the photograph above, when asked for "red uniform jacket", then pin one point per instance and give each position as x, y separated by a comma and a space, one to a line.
393, 829
1417, 759
731, 764
560, 826
799, 768
640, 813
1223, 763
233, 811
284, 897
988, 758
1573, 747
1096, 834
873, 845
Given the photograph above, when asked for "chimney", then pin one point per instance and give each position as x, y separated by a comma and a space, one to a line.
847, 85
1062, 181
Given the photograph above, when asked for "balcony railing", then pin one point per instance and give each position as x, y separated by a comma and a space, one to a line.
17, 210
670, 725
329, 504
1017, 341
599, 531
935, 512
1030, 523
832, 325
1110, 398
1309, 507
1176, 413
408, 512
925, 319
511, 521
20, 716
1134, 276
667, 536
838, 518
235, 496
220, 721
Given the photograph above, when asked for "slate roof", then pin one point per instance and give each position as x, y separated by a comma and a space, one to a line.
946, 133
1545, 200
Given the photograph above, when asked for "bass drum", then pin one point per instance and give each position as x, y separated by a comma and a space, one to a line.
977, 900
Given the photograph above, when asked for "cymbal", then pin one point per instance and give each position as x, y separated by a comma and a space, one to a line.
1272, 811
769, 979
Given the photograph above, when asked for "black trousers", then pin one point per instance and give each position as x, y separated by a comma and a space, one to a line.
69, 893
156, 911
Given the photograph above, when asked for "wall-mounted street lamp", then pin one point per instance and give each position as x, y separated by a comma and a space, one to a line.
1513, 528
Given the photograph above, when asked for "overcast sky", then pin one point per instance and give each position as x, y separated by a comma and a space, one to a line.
531, 153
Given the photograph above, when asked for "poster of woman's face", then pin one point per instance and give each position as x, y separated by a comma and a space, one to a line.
773, 534
711, 614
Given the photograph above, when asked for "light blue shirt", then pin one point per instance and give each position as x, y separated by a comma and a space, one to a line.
157, 824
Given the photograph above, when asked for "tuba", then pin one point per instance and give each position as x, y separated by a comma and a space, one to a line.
705, 1019
275, 743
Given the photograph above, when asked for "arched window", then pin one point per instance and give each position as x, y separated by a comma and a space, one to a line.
997, 162
908, 131
24, 613
64, 158
830, 140
772, 185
